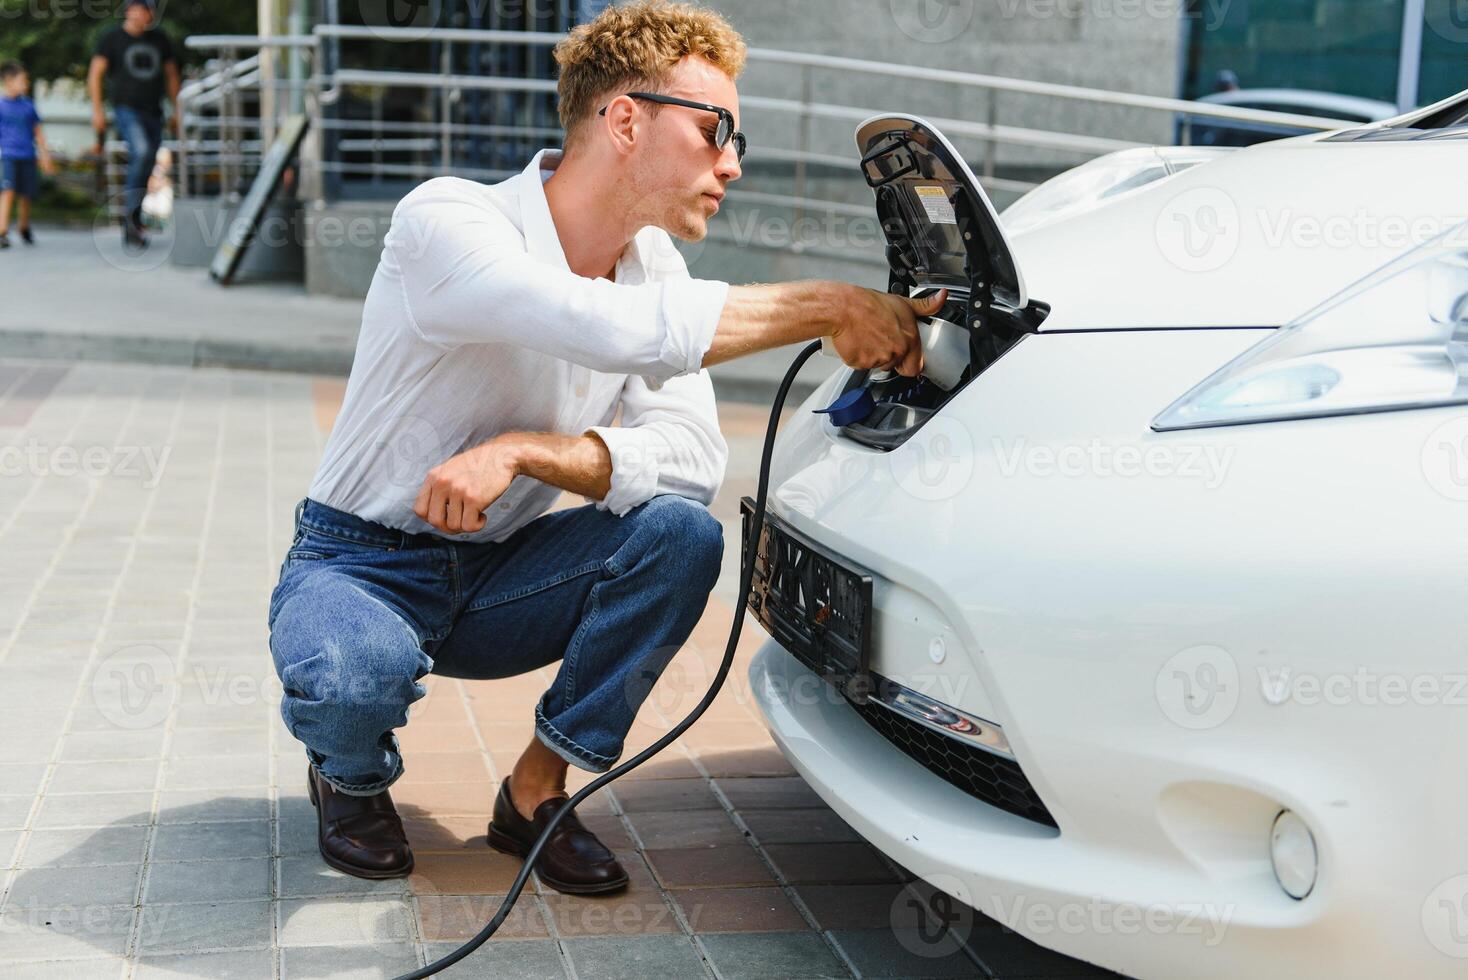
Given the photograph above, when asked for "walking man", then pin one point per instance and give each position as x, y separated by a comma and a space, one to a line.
140, 67
504, 328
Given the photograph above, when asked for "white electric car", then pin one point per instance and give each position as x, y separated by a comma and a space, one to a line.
1146, 635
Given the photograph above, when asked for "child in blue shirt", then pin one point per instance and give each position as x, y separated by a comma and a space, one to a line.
20, 138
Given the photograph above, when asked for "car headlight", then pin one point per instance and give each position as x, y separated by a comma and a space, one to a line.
1397, 339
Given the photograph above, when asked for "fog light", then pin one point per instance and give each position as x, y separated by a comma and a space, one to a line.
1292, 852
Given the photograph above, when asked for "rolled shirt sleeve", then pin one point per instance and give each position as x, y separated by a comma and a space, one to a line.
465, 277
669, 442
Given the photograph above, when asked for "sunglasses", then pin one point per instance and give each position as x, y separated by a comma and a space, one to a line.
722, 134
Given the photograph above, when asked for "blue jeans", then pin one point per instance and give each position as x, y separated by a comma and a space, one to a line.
144, 134
362, 612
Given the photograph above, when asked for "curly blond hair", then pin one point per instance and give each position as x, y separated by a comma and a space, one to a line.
635, 46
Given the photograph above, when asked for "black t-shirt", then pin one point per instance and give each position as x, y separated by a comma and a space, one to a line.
135, 67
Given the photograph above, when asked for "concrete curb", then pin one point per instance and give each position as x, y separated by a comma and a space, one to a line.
171, 351
194, 352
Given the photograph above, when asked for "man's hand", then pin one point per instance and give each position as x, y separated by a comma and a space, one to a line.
99, 128
457, 491
869, 329
880, 330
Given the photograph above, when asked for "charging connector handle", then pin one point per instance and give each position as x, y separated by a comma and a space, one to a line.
746, 577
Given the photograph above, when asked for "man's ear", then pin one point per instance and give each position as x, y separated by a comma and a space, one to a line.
622, 123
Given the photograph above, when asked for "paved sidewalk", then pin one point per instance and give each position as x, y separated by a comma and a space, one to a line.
153, 816
77, 295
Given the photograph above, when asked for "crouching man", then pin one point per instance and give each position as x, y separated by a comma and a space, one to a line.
505, 327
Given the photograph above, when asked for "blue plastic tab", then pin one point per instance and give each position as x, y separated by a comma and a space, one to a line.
853, 406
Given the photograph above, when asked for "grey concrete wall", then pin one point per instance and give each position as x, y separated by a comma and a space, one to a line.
343, 243
1120, 45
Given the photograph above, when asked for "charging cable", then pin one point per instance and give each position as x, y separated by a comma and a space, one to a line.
746, 577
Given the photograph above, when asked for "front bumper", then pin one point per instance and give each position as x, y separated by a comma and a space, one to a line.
1146, 912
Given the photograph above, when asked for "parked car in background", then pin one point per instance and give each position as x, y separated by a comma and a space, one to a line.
1205, 131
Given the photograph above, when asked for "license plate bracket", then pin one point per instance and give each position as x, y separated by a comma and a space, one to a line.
812, 603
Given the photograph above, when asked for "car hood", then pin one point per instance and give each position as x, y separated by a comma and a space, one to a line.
1254, 238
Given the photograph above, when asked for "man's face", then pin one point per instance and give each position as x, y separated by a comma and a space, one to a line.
679, 175
16, 84
139, 17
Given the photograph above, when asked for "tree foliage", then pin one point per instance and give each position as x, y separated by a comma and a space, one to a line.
55, 38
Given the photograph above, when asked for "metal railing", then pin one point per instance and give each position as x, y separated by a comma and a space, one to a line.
781, 171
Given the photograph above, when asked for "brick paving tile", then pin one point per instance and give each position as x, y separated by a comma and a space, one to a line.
775, 791
458, 917
455, 873
881, 906
734, 864
757, 909
758, 956
664, 794
842, 863
684, 828
797, 826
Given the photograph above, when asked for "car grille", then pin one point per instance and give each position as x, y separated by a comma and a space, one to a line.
992, 778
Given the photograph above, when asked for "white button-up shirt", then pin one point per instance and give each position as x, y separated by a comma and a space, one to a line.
474, 325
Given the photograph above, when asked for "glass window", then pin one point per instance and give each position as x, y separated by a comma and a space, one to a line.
1346, 46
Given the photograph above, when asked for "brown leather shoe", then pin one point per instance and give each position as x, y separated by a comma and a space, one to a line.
359, 835
573, 860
